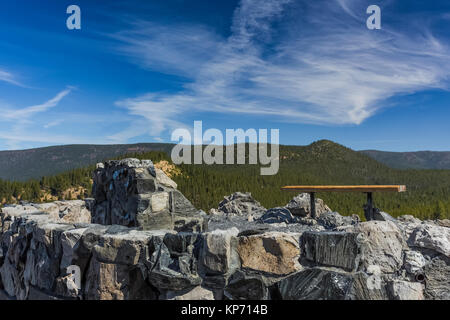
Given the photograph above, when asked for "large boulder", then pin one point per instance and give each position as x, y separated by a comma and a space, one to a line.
43, 258
315, 283
11, 270
382, 216
273, 253
164, 180
217, 254
74, 211
325, 284
407, 218
437, 279
171, 262
407, 225
432, 237
278, 215
404, 290
443, 223
246, 287
300, 205
370, 285
22, 209
73, 251
106, 281
332, 220
69, 211
382, 245
32, 253
198, 293
67, 287
414, 262
240, 204
125, 248
133, 193
335, 249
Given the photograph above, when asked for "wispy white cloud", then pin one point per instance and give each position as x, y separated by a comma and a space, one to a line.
173, 49
349, 5
53, 123
26, 113
18, 125
157, 116
15, 141
9, 78
323, 67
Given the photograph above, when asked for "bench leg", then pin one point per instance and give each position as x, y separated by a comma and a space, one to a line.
312, 197
368, 212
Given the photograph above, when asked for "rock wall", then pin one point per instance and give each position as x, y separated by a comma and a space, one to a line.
369, 260
332, 257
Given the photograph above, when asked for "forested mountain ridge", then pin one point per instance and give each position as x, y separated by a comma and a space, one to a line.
413, 160
322, 162
23, 165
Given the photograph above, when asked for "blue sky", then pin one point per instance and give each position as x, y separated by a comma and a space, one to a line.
137, 70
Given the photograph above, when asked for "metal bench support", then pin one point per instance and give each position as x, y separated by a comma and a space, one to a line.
312, 197
370, 212
369, 207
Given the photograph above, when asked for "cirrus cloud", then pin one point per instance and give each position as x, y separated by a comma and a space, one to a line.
8, 77
297, 61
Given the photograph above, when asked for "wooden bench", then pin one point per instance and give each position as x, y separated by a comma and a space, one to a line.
369, 189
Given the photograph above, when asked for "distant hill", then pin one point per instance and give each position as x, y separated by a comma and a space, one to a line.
322, 162
23, 165
412, 160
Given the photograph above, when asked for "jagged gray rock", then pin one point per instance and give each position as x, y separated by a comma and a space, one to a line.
414, 262
383, 245
106, 281
407, 218
240, 204
274, 253
243, 287
383, 216
217, 253
133, 193
59, 211
336, 249
313, 284
198, 293
431, 237
333, 284
172, 262
323, 284
300, 205
443, 223
278, 215
404, 290
332, 220
437, 279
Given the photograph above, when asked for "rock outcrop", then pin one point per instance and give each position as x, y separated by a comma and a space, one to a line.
59, 211
240, 204
272, 253
133, 246
300, 206
133, 193
432, 237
